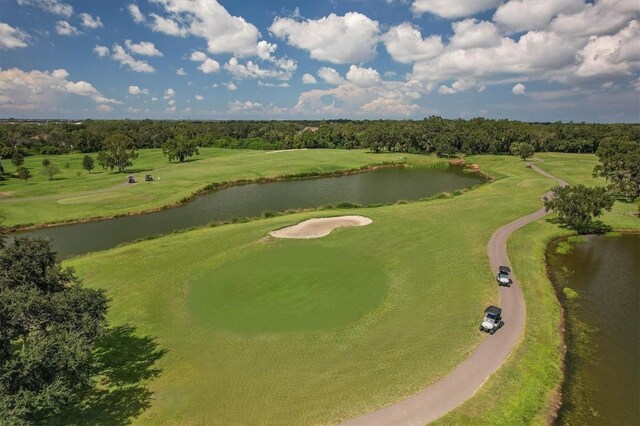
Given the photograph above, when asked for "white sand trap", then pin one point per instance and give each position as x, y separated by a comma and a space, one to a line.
316, 228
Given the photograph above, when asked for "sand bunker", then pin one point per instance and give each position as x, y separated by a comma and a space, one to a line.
316, 228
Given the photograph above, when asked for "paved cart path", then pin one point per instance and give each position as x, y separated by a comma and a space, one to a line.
455, 388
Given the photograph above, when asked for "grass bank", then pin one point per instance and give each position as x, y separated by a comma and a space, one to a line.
77, 195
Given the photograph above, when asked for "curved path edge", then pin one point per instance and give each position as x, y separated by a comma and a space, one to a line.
464, 381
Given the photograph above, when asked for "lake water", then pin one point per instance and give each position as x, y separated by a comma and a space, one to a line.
386, 185
603, 329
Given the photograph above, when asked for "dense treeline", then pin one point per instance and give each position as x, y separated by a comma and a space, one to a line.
433, 134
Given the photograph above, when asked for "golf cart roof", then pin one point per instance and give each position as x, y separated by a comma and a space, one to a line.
504, 269
493, 310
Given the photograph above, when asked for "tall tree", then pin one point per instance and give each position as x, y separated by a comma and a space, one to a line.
119, 151
179, 148
49, 326
88, 163
50, 170
24, 174
17, 159
620, 166
523, 150
577, 205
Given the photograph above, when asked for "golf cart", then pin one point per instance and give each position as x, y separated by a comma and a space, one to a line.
504, 276
148, 178
492, 320
131, 179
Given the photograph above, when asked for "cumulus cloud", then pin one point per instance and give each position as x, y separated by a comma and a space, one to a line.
363, 77
452, 9
181, 72
42, 89
199, 97
169, 93
308, 79
144, 48
66, 29
198, 56
458, 86
525, 15
518, 89
405, 44
90, 22
230, 86
101, 51
472, 33
125, 59
351, 38
136, 14
11, 38
329, 75
209, 20
209, 66
135, 90
104, 108
239, 71
52, 6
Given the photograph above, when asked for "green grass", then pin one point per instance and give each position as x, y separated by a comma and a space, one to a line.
259, 330
76, 194
297, 356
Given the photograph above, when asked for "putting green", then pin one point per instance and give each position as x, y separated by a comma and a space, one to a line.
262, 292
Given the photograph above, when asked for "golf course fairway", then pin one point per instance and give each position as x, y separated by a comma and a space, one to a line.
393, 307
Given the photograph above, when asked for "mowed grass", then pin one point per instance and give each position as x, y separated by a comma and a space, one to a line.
250, 340
76, 194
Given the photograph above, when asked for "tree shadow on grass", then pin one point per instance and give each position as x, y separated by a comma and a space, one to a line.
125, 365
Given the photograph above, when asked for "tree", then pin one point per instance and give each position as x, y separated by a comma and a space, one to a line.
523, 150
46, 162
179, 148
118, 152
620, 166
88, 163
17, 159
3, 237
50, 170
24, 173
577, 205
50, 324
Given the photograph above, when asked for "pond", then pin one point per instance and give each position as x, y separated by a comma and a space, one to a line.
602, 314
385, 185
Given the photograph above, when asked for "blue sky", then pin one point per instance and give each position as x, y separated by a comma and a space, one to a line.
532, 60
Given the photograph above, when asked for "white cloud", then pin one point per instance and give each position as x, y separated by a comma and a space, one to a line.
452, 9
42, 89
405, 44
605, 17
181, 72
172, 102
11, 38
390, 107
66, 29
136, 14
329, 75
241, 107
351, 38
167, 26
230, 86
52, 6
472, 33
607, 85
363, 77
198, 56
170, 109
209, 20
101, 51
209, 66
518, 89
135, 90
199, 97
265, 50
618, 54
252, 70
282, 85
120, 55
169, 93
524, 15
154, 99
458, 86
144, 48
90, 22
308, 79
